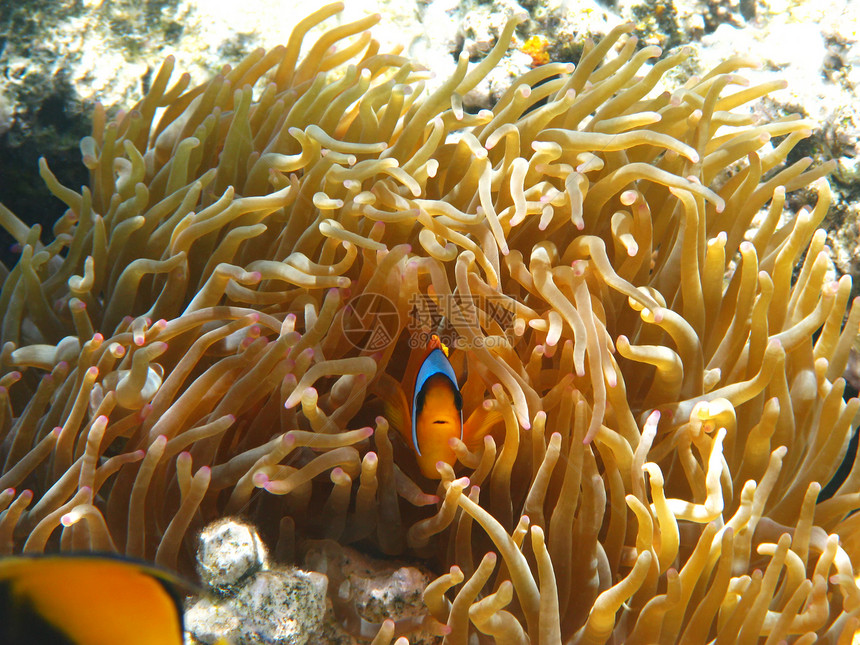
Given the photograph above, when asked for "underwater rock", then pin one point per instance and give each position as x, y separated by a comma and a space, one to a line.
251, 604
271, 607
229, 550
364, 592
339, 596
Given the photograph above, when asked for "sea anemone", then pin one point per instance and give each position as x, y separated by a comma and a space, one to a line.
196, 341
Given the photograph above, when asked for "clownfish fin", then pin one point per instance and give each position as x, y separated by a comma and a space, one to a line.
394, 405
478, 425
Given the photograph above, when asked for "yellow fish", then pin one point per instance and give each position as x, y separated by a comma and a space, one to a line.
87, 600
436, 412
437, 409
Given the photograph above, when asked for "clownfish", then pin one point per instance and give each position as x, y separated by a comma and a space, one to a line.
88, 599
437, 409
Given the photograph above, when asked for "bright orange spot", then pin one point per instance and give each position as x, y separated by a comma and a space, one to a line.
536, 47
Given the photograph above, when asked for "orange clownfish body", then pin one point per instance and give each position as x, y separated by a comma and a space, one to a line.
437, 410
88, 600
436, 414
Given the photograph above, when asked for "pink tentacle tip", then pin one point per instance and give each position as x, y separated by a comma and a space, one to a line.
462, 483
56, 431
261, 480
205, 470
366, 432
97, 338
231, 418
8, 491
